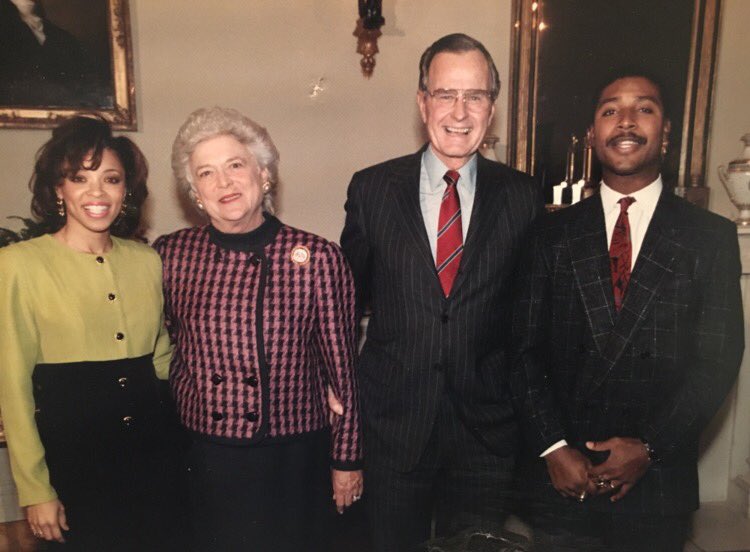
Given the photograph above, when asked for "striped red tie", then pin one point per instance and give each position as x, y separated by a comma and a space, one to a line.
621, 252
450, 243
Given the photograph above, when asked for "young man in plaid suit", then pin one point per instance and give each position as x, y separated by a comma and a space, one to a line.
629, 333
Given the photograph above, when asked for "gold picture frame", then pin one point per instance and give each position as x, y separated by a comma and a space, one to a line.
106, 86
528, 90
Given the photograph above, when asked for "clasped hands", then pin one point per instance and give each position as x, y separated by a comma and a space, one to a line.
573, 475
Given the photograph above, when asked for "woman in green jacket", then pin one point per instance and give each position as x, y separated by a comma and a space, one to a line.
82, 344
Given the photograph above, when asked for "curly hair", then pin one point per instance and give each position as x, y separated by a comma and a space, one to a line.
205, 123
79, 143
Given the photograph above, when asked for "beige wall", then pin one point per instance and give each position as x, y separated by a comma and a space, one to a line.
263, 57
731, 113
731, 119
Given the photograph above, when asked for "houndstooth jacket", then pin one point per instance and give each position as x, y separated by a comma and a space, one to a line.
259, 333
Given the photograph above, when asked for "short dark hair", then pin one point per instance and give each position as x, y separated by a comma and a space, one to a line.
64, 154
631, 73
456, 43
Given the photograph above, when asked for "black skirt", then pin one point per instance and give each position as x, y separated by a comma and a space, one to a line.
113, 447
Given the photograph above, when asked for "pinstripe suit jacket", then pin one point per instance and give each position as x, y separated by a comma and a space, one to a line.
419, 344
659, 370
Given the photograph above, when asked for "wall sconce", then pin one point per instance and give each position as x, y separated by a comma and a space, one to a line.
367, 33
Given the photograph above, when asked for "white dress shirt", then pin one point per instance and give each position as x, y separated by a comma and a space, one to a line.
640, 213
431, 190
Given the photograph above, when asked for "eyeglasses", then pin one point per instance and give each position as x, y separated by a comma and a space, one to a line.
474, 100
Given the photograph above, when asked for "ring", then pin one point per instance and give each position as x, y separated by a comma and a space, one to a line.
356, 497
601, 483
612, 484
582, 496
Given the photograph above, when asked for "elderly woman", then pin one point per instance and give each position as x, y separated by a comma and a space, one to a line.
262, 317
82, 342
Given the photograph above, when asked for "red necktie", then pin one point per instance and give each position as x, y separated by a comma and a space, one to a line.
450, 242
621, 252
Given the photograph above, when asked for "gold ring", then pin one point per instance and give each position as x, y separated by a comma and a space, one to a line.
601, 483
582, 496
612, 485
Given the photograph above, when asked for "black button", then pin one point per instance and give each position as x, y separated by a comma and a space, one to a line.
111, 296
216, 379
444, 318
646, 354
100, 260
437, 367
119, 336
255, 260
252, 381
217, 416
251, 416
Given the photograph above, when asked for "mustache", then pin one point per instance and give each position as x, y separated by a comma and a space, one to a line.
626, 136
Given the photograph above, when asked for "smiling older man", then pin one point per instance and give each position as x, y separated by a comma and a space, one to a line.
433, 239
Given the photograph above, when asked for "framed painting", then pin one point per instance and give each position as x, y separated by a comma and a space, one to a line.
562, 50
62, 57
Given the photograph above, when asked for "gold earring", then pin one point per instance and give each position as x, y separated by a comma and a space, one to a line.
199, 204
266, 187
60, 207
124, 208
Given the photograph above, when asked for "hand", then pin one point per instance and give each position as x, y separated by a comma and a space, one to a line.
47, 520
335, 406
627, 462
569, 471
347, 488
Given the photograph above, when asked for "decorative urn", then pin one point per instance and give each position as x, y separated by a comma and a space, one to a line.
736, 180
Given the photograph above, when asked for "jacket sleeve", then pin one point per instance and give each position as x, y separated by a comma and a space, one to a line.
530, 387
163, 348
19, 345
716, 346
355, 244
337, 343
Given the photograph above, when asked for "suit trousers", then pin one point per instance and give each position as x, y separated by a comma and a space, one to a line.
577, 529
458, 483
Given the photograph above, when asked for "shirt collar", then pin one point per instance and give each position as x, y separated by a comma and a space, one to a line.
646, 198
436, 169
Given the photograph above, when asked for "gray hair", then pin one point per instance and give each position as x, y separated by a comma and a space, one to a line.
205, 123
457, 43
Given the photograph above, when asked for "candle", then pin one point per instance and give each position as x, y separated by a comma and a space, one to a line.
557, 192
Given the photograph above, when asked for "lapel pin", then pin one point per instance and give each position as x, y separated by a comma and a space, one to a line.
300, 255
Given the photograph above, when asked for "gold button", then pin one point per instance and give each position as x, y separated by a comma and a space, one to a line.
122, 381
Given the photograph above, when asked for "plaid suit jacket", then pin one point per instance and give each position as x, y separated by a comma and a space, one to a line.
422, 346
658, 370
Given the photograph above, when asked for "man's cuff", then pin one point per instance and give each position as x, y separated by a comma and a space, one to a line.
560, 444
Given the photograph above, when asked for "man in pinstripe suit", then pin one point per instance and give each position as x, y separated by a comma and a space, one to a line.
440, 435
629, 335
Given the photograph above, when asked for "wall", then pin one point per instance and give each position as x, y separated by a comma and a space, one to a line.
264, 57
730, 120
